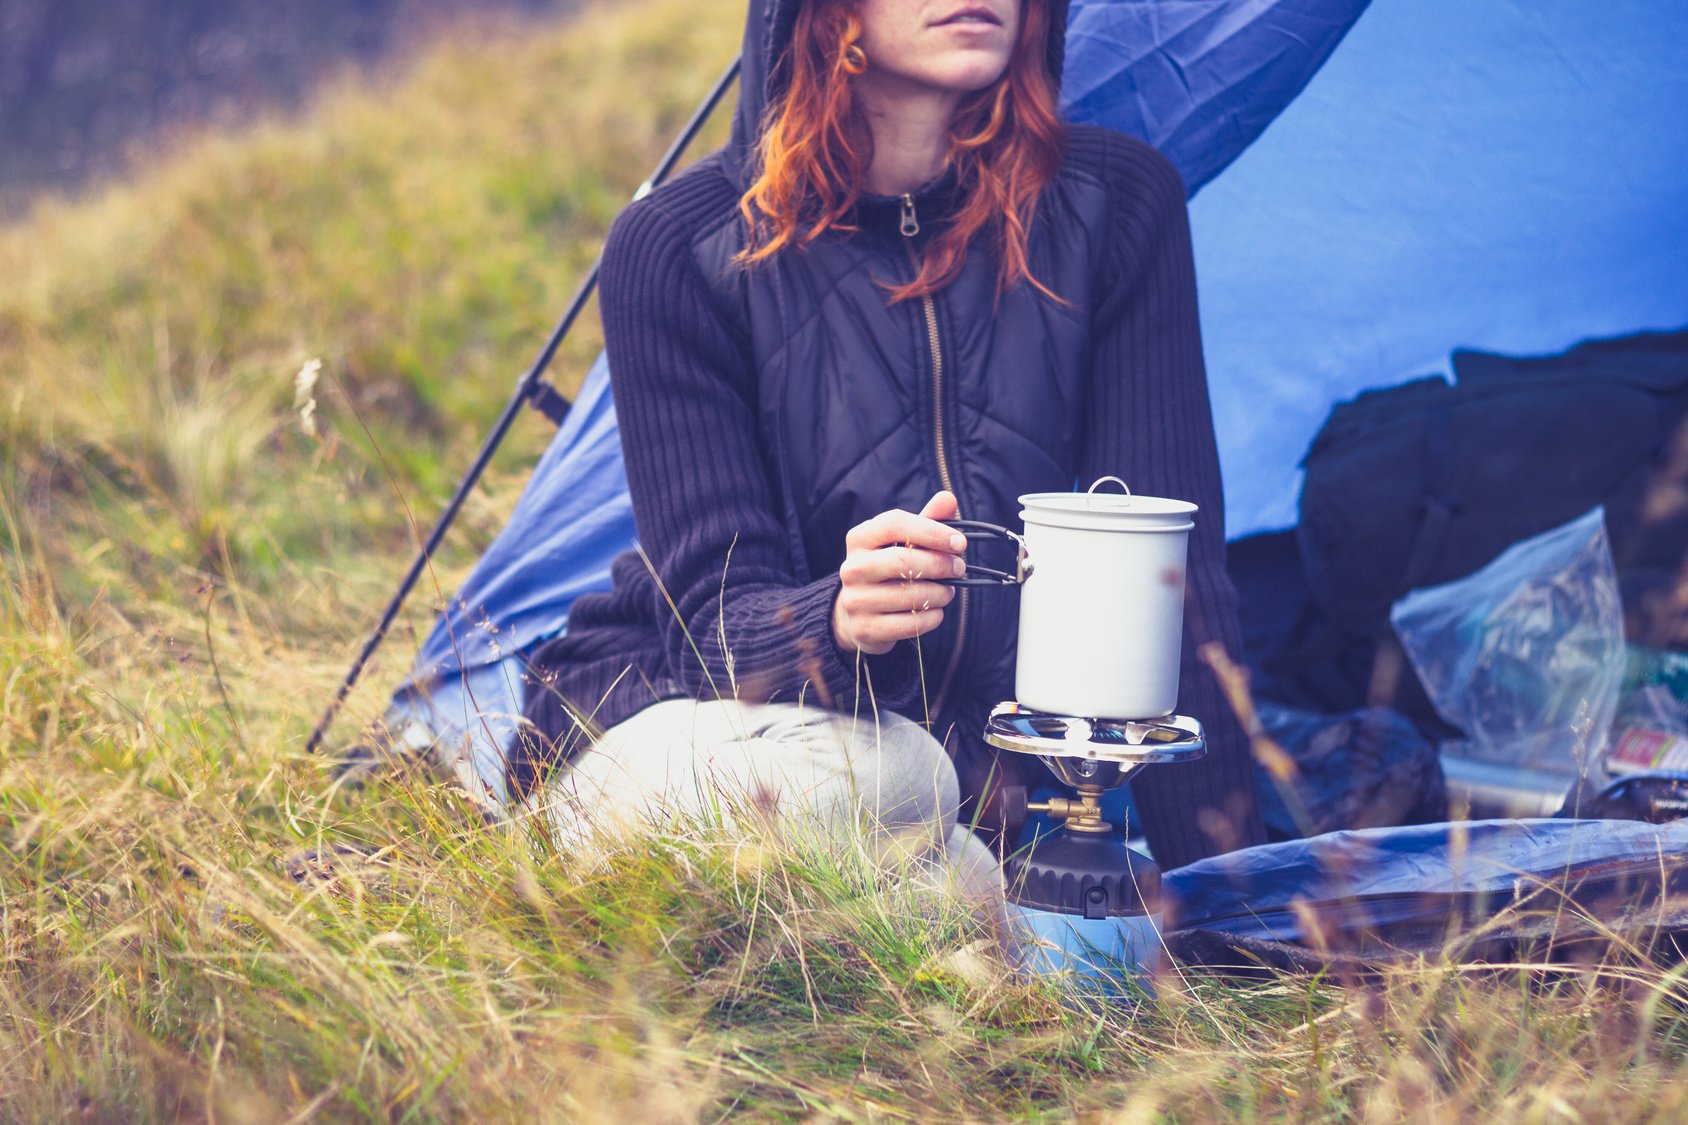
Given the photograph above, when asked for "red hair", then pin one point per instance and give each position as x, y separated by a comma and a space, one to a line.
1005, 145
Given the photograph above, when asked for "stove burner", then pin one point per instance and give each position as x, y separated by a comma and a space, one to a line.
1125, 742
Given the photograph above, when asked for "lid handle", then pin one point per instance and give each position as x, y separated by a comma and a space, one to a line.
1100, 481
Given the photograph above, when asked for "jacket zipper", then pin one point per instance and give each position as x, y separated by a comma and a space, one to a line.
910, 228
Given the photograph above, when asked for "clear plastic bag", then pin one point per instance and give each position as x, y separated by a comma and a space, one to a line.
1650, 733
1527, 654
1654, 707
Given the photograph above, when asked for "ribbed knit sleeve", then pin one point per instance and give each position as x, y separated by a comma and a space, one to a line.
736, 622
1150, 423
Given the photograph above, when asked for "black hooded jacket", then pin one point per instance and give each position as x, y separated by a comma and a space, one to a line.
766, 411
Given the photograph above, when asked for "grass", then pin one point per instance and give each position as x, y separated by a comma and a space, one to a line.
186, 572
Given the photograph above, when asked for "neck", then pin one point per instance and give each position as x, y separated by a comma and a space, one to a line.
910, 126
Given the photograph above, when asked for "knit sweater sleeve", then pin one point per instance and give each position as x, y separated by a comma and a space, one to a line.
737, 621
1150, 422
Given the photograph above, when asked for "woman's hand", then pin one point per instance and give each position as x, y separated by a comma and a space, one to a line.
888, 595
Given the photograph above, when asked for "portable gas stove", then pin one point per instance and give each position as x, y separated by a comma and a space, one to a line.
1085, 899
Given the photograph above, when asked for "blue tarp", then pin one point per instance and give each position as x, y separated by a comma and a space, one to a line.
1388, 876
1504, 176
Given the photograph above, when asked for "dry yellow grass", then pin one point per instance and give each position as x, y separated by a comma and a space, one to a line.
185, 573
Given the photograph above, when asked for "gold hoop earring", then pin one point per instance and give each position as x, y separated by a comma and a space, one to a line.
855, 59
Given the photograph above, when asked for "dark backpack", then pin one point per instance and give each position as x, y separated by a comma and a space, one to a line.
1426, 482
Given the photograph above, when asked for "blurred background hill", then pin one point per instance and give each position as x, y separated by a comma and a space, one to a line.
86, 83
415, 227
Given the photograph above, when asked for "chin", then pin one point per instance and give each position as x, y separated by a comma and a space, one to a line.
964, 76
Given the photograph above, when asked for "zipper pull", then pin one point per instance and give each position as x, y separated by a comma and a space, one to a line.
911, 224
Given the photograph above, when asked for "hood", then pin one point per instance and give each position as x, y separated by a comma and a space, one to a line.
767, 35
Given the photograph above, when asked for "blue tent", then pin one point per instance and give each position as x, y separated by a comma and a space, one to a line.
1498, 176
1503, 177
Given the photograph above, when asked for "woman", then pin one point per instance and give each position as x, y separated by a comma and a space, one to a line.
905, 291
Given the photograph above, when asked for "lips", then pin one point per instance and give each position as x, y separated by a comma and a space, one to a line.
973, 14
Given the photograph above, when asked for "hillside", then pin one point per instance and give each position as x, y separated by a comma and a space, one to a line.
187, 567
84, 83
418, 238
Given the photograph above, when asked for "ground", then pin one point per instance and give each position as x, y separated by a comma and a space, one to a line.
188, 568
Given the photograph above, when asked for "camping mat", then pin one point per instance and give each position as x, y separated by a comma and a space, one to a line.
1497, 892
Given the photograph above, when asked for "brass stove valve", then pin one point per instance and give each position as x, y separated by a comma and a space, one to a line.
1082, 815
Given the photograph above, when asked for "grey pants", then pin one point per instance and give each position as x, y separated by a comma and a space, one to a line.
876, 778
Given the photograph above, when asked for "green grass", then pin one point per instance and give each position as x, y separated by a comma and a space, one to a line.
186, 573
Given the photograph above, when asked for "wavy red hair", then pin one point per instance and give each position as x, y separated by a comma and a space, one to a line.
1005, 144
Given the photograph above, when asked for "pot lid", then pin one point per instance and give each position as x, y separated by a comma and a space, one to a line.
1120, 511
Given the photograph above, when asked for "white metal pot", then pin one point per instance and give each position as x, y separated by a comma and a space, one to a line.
1101, 601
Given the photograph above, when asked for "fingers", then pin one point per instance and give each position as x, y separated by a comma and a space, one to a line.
888, 593
899, 527
943, 506
895, 597
899, 564
876, 633
874, 616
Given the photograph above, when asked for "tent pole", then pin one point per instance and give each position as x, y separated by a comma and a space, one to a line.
532, 390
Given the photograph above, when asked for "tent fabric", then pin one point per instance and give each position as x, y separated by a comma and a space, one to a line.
1504, 177
572, 520
1198, 79
1493, 176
